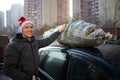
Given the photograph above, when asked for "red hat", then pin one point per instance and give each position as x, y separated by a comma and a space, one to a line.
23, 21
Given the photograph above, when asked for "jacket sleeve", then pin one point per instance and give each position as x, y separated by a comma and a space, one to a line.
11, 57
48, 40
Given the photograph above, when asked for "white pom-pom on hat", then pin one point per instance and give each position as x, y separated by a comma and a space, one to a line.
22, 22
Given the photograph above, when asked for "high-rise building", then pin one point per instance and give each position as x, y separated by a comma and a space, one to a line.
33, 11
86, 10
49, 12
46, 11
62, 10
8, 20
12, 16
2, 24
109, 13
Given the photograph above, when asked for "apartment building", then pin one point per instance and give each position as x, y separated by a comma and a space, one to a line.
62, 11
86, 10
12, 16
46, 11
33, 11
109, 13
2, 23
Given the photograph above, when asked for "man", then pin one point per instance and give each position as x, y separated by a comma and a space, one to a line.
20, 55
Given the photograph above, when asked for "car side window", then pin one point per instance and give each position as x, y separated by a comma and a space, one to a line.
81, 68
56, 61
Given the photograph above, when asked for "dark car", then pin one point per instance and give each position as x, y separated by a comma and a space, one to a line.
112, 42
65, 63
4, 40
111, 52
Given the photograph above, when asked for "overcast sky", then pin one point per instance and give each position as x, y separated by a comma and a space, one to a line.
6, 4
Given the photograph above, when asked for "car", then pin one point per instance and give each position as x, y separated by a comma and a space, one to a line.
111, 41
111, 52
56, 62
4, 40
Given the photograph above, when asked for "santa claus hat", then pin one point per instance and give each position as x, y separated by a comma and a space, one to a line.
22, 22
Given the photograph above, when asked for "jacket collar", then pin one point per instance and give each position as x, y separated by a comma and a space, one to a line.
19, 38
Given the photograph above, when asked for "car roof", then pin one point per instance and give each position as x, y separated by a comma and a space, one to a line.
3, 35
89, 49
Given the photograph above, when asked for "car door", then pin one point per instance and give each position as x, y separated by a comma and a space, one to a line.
4, 40
54, 64
88, 67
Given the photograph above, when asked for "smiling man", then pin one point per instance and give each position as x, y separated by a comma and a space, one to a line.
20, 57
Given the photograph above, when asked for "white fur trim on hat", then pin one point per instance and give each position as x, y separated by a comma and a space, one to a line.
22, 25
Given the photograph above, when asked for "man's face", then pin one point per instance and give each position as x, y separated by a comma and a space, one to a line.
27, 30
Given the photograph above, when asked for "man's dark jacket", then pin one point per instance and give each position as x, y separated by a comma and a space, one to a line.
20, 56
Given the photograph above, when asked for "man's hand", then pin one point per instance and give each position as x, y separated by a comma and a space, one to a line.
62, 28
109, 36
